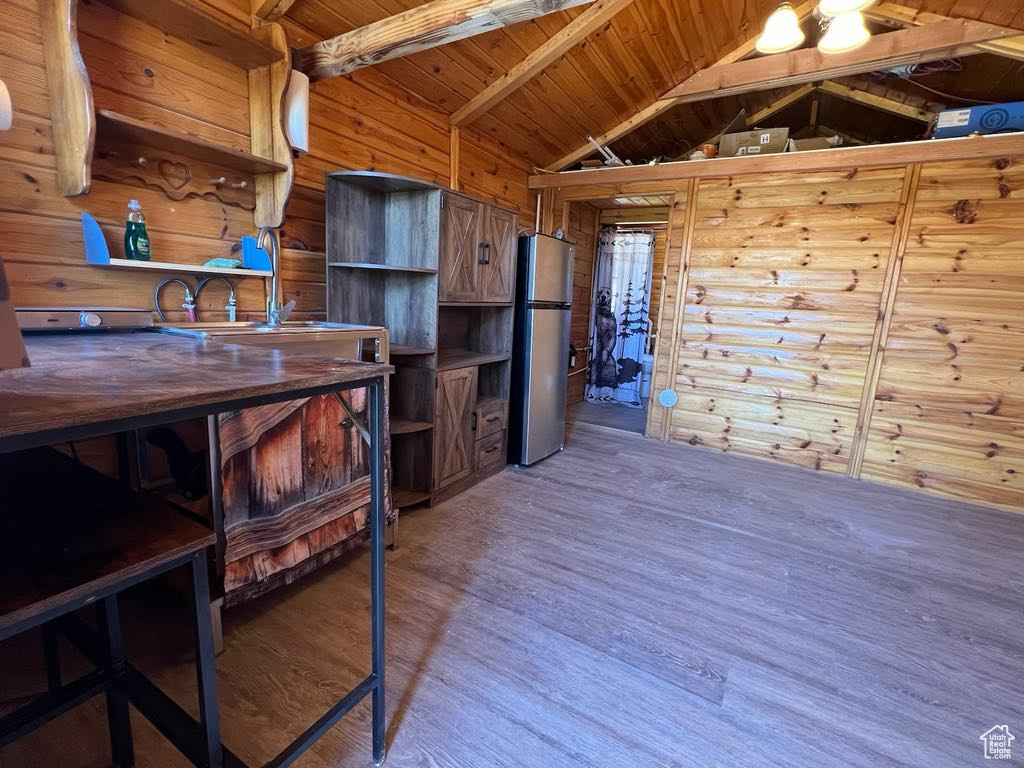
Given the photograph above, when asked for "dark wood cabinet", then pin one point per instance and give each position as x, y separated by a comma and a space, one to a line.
461, 251
453, 425
497, 281
478, 250
436, 267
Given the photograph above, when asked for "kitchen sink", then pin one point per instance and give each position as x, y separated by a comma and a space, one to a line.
244, 328
309, 337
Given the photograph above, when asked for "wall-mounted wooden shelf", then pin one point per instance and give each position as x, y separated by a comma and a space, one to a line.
255, 261
381, 267
135, 135
187, 22
77, 128
448, 359
164, 266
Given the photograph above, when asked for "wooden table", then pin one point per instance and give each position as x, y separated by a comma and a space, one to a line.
87, 385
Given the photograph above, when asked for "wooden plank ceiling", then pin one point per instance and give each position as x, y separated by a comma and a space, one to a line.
646, 49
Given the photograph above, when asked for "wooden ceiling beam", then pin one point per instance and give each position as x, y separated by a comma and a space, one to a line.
271, 10
573, 33
421, 28
657, 107
781, 103
898, 15
944, 39
873, 100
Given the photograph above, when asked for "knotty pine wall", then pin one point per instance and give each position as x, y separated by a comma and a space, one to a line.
865, 322
364, 121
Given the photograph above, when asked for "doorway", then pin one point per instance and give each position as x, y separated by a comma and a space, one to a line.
617, 297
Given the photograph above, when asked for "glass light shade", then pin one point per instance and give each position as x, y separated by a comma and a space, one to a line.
781, 32
839, 7
846, 32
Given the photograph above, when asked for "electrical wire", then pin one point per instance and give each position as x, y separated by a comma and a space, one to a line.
950, 97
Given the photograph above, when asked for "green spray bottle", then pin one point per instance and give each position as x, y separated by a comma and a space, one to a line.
136, 239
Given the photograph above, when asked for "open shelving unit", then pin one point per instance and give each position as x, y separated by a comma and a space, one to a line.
385, 238
383, 270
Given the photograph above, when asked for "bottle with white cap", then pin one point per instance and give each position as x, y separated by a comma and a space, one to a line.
136, 239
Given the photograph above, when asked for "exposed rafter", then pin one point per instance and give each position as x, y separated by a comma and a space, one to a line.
573, 33
659, 106
419, 29
898, 15
944, 39
883, 103
271, 10
788, 100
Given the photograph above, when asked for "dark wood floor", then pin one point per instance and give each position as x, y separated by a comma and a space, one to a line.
629, 603
613, 415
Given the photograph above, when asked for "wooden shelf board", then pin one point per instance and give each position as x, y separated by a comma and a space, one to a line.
448, 359
474, 304
404, 497
128, 132
405, 426
184, 20
402, 350
381, 267
164, 266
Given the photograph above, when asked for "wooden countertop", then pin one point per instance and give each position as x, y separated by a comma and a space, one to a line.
82, 385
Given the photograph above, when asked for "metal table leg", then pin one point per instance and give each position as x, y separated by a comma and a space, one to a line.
378, 523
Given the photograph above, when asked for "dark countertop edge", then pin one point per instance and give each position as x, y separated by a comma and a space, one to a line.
52, 430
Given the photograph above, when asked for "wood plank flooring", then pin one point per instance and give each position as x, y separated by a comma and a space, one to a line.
623, 603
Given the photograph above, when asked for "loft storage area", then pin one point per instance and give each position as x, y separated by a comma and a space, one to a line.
511, 383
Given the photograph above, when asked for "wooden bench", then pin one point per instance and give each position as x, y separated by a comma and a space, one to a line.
71, 537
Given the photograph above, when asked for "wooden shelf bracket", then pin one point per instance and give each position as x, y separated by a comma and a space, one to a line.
71, 105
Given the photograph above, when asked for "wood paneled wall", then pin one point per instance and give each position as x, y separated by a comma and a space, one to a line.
583, 230
365, 121
862, 321
948, 414
785, 281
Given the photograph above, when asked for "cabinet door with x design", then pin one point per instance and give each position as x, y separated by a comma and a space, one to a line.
460, 249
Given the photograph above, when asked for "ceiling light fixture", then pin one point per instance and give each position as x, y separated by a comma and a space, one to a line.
846, 32
839, 7
782, 31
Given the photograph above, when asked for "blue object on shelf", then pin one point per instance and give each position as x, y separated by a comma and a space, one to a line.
983, 119
96, 251
253, 257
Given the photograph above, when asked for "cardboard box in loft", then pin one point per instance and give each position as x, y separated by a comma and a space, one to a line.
807, 145
769, 141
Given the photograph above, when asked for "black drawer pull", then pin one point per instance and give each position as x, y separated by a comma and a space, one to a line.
492, 449
492, 419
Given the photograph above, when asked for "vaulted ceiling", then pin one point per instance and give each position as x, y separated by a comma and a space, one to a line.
642, 52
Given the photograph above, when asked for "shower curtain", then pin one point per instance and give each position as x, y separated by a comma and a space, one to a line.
622, 291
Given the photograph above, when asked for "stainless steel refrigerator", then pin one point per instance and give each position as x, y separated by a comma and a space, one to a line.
540, 349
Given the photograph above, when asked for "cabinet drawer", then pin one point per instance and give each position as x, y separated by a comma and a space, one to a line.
491, 417
490, 450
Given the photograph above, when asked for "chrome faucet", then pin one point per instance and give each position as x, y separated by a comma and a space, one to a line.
232, 302
276, 315
190, 302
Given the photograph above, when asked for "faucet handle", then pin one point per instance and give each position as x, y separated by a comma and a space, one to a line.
280, 315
